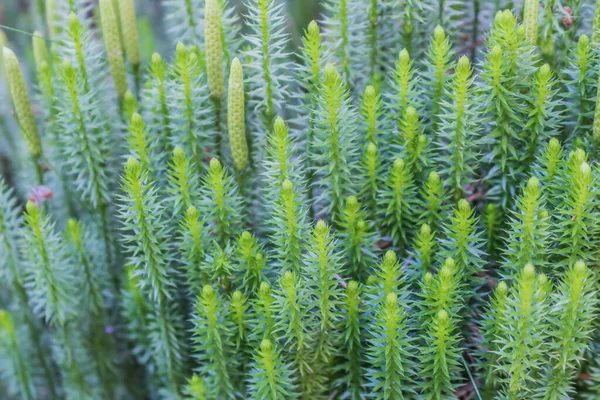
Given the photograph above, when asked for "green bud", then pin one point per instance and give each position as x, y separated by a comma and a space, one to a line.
129, 32
433, 178
287, 186
31, 208
398, 164
464, 206
40, 51
331, 76
442, 316
542, 279
132, 165
502, 289
246, 236
428, 278
425, 229
389, 258
236, 119
580, 268
351, 202
213, 47
464, 66
528, 271
266, 345
530, 18
208, 291
264, 289
136, 122
287, 280
361, 225
191, 213
438, 34
112, 43
352, 287
449, 263
371, 149
215, 165
404, 57
321, 227
585, 169
52, 18
313, 29
20, 97
533, 184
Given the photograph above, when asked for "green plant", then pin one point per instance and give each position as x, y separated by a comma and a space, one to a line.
387, 205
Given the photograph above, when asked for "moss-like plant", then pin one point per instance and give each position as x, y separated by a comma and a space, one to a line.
397, 200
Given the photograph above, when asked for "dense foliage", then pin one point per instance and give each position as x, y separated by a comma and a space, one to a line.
403, 205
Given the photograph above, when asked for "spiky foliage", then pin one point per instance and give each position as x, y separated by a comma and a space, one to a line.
424, 250
251, 261
157, 113
264, 320
575, 303
413, 142
335, 122
289, 227
21, 369
211, 345
206, 272
221, 202
48, 282
528, 239
581, 83
389, 351
294, 324
578, 207
270, 378
432, 201
87, 148
343, 19
521, 344
182, 183
268, 77
145, 236
543, 120
438, 63
357, 240
492, 328
441, 358
322, 266
464, 242
354, 361
52, 287
403, 87
459, 130
396, 201
192, 117
370, 179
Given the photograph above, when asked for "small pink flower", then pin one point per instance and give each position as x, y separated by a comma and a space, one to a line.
39, 194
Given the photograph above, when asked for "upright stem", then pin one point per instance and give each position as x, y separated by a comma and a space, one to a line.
218, 136
36, 338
